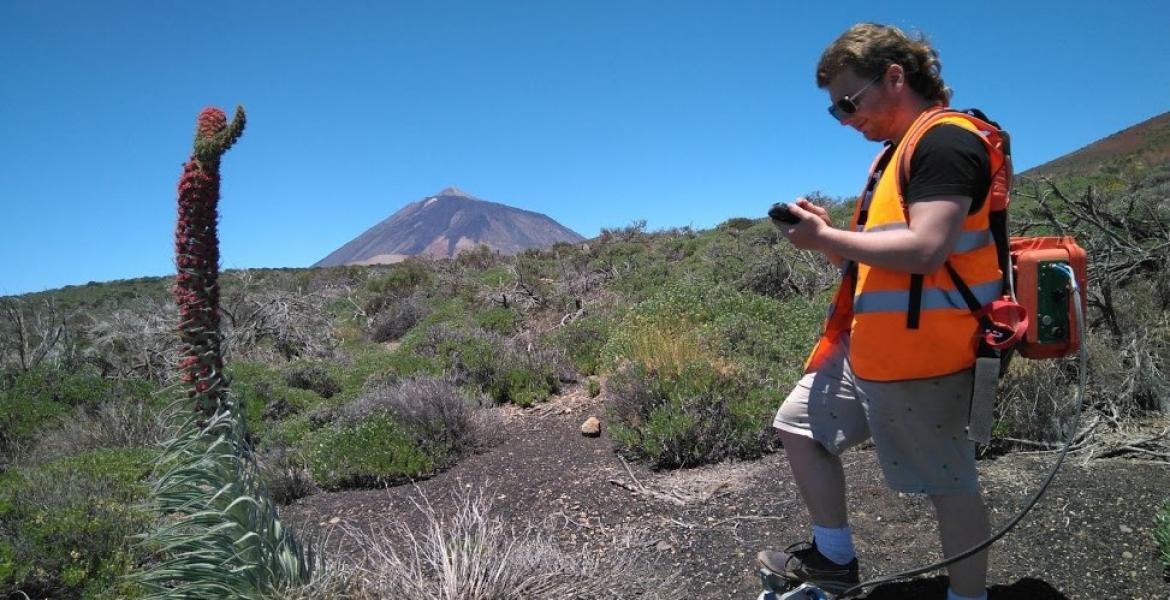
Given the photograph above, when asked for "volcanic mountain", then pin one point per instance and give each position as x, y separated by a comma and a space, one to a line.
446, 224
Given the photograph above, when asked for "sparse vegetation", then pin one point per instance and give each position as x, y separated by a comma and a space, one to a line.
392, 433
360, 376
695, 416
66, 527
470, 554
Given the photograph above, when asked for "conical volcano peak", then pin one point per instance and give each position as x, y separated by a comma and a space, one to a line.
447, 223
453, 191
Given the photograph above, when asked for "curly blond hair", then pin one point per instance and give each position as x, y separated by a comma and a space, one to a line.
869, 49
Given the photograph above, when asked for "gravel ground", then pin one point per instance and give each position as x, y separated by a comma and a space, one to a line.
698, 530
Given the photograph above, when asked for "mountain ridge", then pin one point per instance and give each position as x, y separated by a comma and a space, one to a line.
447, 223
1147, 142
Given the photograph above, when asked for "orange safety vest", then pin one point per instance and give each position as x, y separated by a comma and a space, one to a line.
902, 325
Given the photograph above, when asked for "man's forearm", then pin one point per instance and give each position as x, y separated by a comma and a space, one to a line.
896, 250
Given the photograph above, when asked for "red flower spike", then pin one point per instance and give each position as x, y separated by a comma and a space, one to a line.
196, 289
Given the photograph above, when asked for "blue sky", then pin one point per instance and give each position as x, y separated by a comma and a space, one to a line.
595, 113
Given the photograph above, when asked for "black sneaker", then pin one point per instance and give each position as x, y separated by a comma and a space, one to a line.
803, 562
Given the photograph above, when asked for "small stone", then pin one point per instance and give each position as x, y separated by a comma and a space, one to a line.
1127, 555
663, 546
1126, 529
334, 520
591, 427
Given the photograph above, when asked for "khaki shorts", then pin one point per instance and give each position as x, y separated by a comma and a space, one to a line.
919, 427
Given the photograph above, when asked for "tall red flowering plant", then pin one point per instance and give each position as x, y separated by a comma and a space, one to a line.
218, 534
197, 258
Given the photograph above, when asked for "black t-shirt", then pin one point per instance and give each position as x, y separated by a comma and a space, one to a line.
949, 161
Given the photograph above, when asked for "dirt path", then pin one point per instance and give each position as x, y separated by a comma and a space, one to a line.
1090, 537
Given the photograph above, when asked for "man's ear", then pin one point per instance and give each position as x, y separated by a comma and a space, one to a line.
895, 75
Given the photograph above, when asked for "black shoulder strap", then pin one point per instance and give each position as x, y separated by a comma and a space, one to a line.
969, 297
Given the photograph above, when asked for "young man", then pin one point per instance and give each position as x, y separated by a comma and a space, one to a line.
895, 360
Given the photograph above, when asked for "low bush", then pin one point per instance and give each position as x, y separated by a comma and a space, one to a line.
398, 318
582, 341
371, 363
373, 453
65, 526
288, 434
593, 387
74, 388
20, 420
265, 397
488, 362
285, 474
34, 401
697, 416
442, 420
496, 277
394, 432
131, 424
312, 376
1162, 533
402, 280
498, 319
468, 553
690, 323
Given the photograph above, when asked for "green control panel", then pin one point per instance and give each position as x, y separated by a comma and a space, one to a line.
1052, 298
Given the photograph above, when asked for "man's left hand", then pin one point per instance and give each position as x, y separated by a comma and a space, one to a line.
807, 234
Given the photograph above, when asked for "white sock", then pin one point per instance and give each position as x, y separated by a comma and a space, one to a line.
836, 544
951, 595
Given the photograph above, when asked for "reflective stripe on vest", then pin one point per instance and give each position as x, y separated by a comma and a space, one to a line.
932, 299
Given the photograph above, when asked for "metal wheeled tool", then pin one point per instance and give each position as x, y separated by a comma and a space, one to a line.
778, 587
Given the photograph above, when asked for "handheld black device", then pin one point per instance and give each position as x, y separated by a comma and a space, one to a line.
781, 212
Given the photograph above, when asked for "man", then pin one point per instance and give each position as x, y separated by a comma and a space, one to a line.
895, 360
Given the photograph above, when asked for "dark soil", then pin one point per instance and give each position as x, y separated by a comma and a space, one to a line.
1089, 537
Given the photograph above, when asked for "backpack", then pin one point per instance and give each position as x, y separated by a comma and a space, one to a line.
1036, 314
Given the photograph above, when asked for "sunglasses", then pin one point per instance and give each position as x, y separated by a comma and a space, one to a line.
847, 105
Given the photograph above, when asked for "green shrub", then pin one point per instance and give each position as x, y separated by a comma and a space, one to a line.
289, 433
593, 387
449, 311
130, 424
399, 317
582, 340
440, 418
496, 277
375, 452
688, 323
737, 223
486, 361
312, 376
64, 526
402, 280
264, 396
503, 321
76, 389
372, 362
21, 418
428, 425
698, 417
34, 400
1162, 532
285, 475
